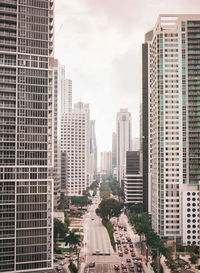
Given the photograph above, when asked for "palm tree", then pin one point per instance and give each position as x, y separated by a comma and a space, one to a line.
73, 240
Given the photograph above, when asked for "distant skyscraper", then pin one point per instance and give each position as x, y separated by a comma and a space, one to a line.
93, 145
123, 140
26, 122
75, 143
106, 162
174, 127
66, 92
114, 152
135, 144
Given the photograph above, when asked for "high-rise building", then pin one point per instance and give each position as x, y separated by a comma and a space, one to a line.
106, 162
93, 146
66, 92
56, 68
133, 181
26, 122
145, 124
114, 153
123, 133
174, 127
135, 144
75, 143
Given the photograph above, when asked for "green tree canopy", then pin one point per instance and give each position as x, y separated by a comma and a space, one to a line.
80, 201
60, 229
109, 208
73, 239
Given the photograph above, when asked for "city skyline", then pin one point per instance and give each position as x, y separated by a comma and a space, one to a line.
100, 43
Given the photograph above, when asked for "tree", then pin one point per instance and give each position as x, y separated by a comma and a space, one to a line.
109, 208
64, 202
60, 229
73, 239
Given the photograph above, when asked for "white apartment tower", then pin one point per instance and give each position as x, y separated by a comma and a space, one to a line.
56, 69
26, 129
106, 162
75, 147
123, 132
66, 92
174, 126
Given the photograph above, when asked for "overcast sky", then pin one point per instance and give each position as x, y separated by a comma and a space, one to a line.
99, 42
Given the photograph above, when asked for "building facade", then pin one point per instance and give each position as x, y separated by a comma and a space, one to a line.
75, 144
133, 181
114, 153
93, 147
123, 132
56, 68
66, 92
106, 162
174, 127
26, 122
145, 124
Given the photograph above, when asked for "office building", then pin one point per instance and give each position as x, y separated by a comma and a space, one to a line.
106, 162
145, 124
26, 121
174, 128
56, 68
123, 132
114, 153
133, 181
75, 148
66, 92
93, 148
135, 144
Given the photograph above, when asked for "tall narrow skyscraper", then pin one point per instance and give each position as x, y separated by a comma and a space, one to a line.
114, 153
123, 132
75, 148
145, 124
174, 127
66, 92
93, 145
26, 127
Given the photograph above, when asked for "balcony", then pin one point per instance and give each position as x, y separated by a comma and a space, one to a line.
8, 10
7, 26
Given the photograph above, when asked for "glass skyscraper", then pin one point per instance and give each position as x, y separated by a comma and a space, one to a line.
26, 122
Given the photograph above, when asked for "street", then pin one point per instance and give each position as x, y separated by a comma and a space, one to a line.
98, 252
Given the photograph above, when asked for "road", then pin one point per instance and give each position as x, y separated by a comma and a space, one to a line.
96, 239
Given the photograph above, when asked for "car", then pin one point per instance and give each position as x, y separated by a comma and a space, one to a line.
123, 266
55, 260
131, 245
125, 251
133, 254
92, 218
139, 269
116, 267
131, 268
92, 264
131, 250
124, 270
60, 257
97, 251
58, 267
128, 260
120, 254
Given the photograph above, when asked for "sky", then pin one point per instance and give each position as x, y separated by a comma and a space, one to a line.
99, 42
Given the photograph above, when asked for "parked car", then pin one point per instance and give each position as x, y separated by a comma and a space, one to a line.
92, 264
